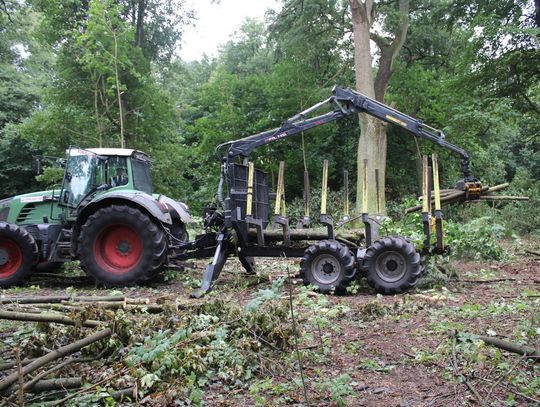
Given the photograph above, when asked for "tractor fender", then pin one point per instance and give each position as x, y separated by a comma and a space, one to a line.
180, 208
158, 210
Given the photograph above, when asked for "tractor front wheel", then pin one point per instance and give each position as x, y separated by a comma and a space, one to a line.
120, 245
18, 253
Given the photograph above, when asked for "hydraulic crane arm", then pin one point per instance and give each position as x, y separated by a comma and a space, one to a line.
345, 102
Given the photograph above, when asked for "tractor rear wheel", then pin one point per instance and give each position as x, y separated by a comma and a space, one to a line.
18, 253
120, 245
392, 265
327, 265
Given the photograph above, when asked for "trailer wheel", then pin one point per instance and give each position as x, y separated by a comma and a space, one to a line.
120, 245
327, 264
18, 253
393, 265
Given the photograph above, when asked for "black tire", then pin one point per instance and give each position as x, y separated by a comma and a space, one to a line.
18, 254
120, 245
327, 265
392, 265
178, 232
48, 267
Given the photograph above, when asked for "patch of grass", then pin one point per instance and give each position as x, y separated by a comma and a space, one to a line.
374, 365
338, 388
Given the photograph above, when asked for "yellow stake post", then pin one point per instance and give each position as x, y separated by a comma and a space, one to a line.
346, 193
426, 205
439, 233
436, 189
249, 203
324, 187
364, 188
279, 208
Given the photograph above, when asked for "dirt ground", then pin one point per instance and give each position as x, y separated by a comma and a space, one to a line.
414, 349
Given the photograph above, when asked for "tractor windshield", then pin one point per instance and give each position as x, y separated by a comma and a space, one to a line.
85, 173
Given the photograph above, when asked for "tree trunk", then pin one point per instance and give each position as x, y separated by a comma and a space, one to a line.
139, 28
372, 140
537, 12
372, 147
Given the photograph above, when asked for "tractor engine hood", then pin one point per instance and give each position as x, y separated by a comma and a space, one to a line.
4, 209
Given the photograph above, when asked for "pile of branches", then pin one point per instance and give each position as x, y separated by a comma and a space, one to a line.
115, 347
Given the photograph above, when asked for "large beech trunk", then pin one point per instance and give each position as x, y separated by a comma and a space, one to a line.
372, 140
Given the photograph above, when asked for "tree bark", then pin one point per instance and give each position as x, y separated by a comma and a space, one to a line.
526, 351
372, 141
60, 319
55, 384
39, 299
139, 28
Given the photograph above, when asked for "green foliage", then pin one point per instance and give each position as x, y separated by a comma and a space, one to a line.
221, 343
339, 388
334, 204
16, 174
521, 217
51, 177
478, 239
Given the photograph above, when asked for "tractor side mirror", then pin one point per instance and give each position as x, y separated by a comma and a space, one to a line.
65, 197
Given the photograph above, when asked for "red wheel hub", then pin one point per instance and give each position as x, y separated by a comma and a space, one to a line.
118, 249
10, 258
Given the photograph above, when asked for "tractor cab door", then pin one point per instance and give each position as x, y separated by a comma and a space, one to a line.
85, 174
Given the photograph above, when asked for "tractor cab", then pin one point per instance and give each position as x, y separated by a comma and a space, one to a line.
91, 172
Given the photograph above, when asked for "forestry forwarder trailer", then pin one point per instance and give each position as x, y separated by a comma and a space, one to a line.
391, 264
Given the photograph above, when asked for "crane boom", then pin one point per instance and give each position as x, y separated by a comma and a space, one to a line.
345, 102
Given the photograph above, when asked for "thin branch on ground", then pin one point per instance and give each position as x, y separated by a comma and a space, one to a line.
298, 355
501, 378
21, 379
462, 377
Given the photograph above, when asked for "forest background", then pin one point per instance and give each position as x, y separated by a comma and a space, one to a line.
106, 73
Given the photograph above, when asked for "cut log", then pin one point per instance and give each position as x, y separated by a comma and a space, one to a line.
58, 299
151, 308
504, 198
457, 196
46, 317
512, 347
54, 355
11, 365
119, 395
33, 300
308, 234
55, 384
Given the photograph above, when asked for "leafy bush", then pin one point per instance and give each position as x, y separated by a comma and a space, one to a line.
521, 217
478, 239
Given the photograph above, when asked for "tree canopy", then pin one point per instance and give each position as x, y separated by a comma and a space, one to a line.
105, 73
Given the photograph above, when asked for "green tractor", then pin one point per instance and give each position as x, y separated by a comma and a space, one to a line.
105, 215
